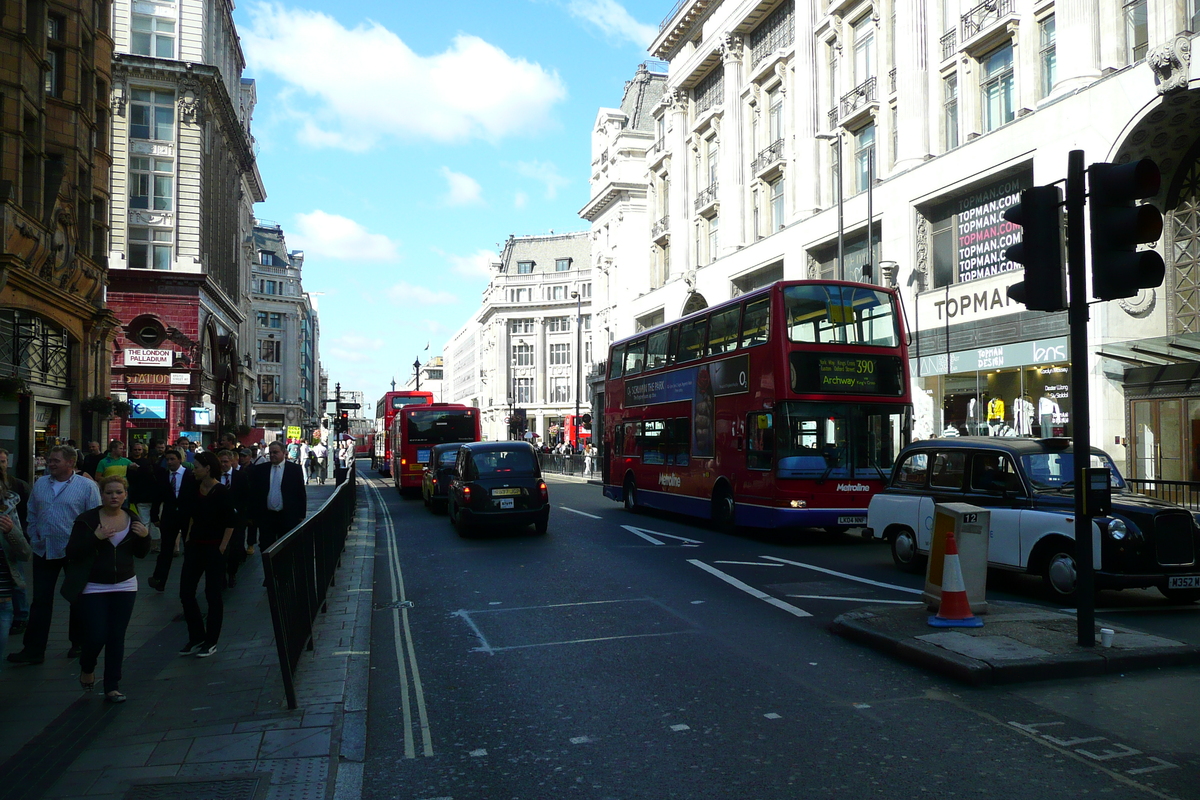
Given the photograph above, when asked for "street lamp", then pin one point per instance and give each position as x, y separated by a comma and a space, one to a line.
578, 358
417, 372
841, 244
509, 423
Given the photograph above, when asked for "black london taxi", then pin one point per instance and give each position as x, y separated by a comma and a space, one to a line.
438, 473
1028, 487
497, 484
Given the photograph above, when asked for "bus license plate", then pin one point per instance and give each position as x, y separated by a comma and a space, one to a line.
423, 455
1184, 582
505, 502
852, 520
507, 492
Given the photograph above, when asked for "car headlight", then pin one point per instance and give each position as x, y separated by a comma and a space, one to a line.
1117, 529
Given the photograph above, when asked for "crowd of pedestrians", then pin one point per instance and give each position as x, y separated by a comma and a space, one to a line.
93, 512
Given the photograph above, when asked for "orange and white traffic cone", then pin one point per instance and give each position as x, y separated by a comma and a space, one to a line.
954, 611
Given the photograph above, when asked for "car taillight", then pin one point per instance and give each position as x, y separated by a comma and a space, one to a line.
466, 495
545, 493
435, 483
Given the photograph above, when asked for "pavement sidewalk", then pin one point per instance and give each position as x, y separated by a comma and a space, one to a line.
199, 728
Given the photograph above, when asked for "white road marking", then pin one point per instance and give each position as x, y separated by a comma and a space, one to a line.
750, 590
857, 599
484, 646
638, 532
847, 577
749, 563
650, 536
480, 752
680, 728
352, 653
580, 739
580, 513
399, 620
492, 650
772, 715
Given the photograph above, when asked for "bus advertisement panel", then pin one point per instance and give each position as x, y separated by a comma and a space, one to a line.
785, 407
385, 412
416, 429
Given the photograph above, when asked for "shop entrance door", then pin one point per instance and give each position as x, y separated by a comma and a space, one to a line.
1165, 436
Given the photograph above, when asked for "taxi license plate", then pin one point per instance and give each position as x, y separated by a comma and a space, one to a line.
505, 502
854, 520
509, 492
1184, 582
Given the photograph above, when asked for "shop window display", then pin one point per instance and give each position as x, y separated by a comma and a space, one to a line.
1023, 401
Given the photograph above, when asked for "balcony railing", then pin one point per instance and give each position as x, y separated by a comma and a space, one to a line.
660, 228
988, 11
892, 81
858, 97
833, 118
949, 44
706, 196
658, 146
768, 156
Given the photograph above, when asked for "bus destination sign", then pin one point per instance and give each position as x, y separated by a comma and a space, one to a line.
849, 373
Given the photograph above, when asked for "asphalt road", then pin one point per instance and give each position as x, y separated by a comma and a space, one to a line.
639, 656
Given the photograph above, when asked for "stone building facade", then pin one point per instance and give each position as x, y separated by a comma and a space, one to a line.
55, 163
184, 184
883, 141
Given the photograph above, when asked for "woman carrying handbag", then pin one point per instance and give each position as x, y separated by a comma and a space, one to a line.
101, 580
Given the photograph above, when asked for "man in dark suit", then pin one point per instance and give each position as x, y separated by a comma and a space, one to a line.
176, 487
278, 498
236, 479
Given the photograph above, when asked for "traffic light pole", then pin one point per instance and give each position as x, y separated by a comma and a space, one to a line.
1085, 579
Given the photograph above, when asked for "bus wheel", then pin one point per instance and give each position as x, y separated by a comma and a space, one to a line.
724, 510
630, 495
904, 550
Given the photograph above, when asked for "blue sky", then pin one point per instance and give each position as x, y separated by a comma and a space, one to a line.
401, 143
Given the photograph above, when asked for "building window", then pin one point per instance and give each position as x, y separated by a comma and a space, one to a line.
1137, 30
268, 388
520, 325
266, 258
558, 324
864, 156
586, 322
560, 390
562, 264
777, 205
713, 153
152, 114
522, 390
864, 49
1048, 55
261, 316
775, 116
153, 36
522, 355
585, 290
270, 350
270, 287
524, 267
996, 88
276, 320
151, 183
56, 31
558, 293
560, 354
149, 248
950, 111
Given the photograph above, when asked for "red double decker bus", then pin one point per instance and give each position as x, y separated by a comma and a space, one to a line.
784, 407
385, 412
416, 429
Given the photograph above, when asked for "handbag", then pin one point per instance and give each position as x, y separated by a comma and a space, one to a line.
75, 578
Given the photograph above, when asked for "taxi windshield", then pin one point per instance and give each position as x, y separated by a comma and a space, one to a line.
1056, 471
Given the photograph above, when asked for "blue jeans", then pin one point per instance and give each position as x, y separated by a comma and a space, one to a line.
20, 601
6, 619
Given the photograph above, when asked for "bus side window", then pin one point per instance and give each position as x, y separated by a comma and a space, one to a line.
652, 441
760, 440
756, 322
671, 345
723, 331
691, 339
656, 353
679, 438
616, 361
635, 357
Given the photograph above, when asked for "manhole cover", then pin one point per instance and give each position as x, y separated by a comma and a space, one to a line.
250, 788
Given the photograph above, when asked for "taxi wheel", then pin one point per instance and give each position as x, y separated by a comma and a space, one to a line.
425, 498
458, 521
904, 551
1181, 595
541, 526
1059, 572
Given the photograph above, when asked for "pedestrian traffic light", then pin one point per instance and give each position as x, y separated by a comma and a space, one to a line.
1040, 249
1119, 225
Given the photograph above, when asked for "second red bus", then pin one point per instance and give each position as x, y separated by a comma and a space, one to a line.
385, 412
416, 429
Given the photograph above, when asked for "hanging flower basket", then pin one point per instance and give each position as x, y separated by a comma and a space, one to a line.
98, 405
243, 430
11, 387
121, 408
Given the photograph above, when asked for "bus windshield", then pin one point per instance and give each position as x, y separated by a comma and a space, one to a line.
401, 402
434, 427
837, 440
833, 314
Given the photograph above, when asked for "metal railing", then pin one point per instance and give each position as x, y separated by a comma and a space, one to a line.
706, 196
768, 156
659, 145
892, 80
299, 570
569, 464
858, 97
661, 227
949, 44
981, 15
1184, 493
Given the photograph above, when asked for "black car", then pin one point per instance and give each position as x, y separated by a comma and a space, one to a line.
438, 473
498, 484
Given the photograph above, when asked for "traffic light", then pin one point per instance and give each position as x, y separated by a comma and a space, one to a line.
1040, 249
343, 421
1119, 225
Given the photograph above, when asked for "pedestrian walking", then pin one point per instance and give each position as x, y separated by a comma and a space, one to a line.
58, 497
278, 497
589, 453
242, 499
100, 576
211, 522
235, 553
142, 489
20, 597
293, 451
114, 462
14, 551
92, 459
320, 454
176, 488
303, 458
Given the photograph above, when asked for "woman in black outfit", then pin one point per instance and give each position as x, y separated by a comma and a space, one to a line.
209, 531
109, 537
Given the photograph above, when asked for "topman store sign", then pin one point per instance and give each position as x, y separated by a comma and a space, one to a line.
968, 302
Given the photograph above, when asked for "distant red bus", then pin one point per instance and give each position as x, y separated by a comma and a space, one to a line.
416, 429
577, 431
784, 407
364, 445
385, 412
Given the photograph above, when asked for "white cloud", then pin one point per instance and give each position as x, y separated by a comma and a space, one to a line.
336, 237
545, 173
520, 200
350, 348
473, 265
462, 190
403, 292
369, 85
613, 20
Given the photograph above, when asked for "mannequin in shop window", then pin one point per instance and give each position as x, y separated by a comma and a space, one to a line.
973, 407
1047, 410
1023, 415
995, 415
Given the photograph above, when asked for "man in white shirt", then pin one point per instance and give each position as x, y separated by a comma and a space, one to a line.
278, 499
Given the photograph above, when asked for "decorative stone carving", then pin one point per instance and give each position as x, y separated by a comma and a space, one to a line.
813, 268
920, 274
731, 48
1140, 305
1170, 62
117, 100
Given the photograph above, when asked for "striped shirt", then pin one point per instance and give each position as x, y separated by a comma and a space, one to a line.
51, 514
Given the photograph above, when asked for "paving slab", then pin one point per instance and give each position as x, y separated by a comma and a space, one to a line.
1018, 642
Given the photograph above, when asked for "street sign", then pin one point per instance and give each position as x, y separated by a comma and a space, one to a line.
348, 405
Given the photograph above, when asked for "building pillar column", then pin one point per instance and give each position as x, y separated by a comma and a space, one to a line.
1077, 45
807, 115
682, 258
732, 189
913, 110
542, 360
